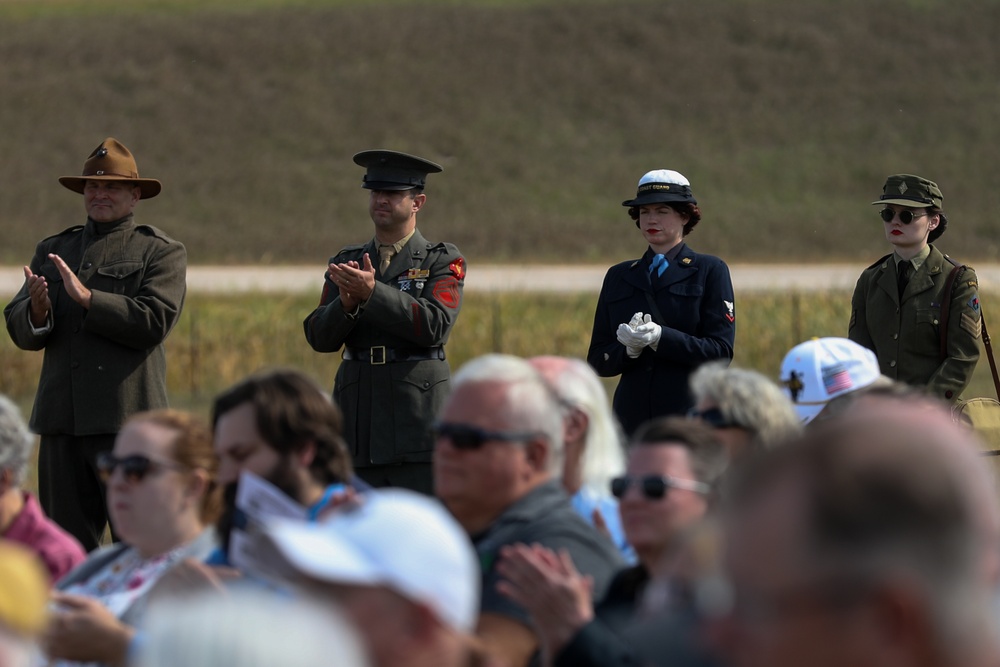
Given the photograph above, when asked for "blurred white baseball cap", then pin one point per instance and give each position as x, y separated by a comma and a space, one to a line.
396, 538
818, 370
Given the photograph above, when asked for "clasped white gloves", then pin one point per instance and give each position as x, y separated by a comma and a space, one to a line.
640, 332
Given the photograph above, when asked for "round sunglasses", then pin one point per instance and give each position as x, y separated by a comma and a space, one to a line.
905, 216
134, 467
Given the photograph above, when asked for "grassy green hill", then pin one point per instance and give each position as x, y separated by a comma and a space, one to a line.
785, 114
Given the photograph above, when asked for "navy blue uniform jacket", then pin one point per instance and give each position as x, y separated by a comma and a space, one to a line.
695, 298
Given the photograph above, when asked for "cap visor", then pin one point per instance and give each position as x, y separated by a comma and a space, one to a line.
318, 552
807, 413
912, 203
657, 198
384, 185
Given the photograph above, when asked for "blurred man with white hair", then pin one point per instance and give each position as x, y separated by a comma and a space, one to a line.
746, 409
249, 627
870, 542
21, 517
593, 452
400, 568
497, 464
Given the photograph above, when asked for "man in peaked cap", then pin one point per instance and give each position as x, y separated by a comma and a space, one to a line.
913, 308
390, 304
99, 298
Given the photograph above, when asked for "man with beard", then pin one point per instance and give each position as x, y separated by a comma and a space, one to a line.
280, 426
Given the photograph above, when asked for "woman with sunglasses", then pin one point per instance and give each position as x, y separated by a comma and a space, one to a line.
161, 495
660, 316
900, 309
673, 467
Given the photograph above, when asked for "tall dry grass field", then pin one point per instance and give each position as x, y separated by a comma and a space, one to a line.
221, 339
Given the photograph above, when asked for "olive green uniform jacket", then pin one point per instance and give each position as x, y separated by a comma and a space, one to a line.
388, 408
906, 337
103, 364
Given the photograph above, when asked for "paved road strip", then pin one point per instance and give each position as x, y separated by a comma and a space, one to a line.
517, 278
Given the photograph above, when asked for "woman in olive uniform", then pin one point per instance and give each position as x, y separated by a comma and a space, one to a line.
661, 316
897, 309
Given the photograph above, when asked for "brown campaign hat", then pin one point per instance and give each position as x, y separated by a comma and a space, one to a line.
111, 161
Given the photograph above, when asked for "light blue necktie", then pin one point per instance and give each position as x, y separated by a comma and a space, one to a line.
659, 265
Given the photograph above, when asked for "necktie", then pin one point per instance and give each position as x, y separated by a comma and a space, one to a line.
904, 269
385, 253
659, 265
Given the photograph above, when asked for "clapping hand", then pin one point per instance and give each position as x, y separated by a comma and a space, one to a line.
640, 332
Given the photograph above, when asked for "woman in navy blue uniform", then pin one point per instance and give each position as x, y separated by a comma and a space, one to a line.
661, 316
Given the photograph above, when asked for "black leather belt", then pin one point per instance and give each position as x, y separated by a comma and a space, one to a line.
380, 354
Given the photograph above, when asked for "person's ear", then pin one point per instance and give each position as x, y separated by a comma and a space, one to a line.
419, 201
307, 454
538, 451
199, 484
576, 424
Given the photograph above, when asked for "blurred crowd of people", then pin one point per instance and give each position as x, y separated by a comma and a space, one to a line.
860, 529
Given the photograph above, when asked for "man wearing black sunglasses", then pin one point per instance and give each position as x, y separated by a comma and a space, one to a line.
920, 318
673, 466
497, 464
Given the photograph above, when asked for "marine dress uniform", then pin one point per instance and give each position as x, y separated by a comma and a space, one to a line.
692, 300
394, 376
901, 321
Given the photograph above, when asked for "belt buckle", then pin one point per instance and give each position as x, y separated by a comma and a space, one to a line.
378, 355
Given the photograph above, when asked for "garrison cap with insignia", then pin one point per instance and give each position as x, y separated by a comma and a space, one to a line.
111, 161
910, 190
392, 170
661, 186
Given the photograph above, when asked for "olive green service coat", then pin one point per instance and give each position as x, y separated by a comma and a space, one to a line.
104, 364
906, 336
388, 408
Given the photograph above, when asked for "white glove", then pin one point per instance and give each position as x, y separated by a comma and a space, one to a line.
638, 333
649, 333
628, 338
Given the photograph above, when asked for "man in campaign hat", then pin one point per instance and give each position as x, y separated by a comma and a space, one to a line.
923, 327
99, 298
390, 304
